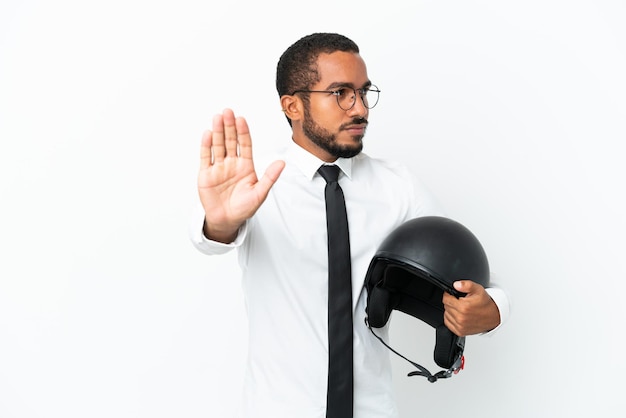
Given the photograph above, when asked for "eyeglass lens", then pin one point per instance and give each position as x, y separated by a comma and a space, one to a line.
347, 97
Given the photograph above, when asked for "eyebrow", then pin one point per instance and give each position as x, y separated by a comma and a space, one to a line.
339, 84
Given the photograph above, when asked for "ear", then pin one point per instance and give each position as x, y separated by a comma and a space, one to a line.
292, 107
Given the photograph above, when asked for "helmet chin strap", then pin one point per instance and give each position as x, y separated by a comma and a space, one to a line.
457, 366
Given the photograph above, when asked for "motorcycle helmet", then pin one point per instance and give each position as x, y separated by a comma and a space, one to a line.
409, 272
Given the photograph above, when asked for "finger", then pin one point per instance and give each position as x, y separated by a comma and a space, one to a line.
466, 286
274, 170
244, 139
217, 145
449, 300
450, 322
230, 133
205, 150
269, 177
453, 315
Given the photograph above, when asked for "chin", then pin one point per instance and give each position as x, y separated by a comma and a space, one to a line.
348, 152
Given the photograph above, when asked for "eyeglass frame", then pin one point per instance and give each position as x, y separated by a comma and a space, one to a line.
337, 91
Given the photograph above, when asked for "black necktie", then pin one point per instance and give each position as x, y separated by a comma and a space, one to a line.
339, 397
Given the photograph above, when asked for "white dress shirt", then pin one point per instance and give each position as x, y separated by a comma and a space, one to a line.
283, 257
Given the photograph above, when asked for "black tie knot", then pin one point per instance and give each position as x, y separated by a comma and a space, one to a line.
329, 172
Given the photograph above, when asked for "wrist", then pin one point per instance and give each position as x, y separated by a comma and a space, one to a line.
220, 233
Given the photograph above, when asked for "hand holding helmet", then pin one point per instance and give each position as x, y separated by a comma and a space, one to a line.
421, 269
471, 314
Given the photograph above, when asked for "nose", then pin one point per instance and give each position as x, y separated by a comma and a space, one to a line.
359, 109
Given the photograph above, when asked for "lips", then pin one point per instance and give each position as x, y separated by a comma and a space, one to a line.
356, 129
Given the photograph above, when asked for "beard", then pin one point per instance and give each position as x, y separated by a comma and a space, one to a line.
327, 140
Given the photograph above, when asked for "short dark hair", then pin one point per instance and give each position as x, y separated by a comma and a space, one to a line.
297, 69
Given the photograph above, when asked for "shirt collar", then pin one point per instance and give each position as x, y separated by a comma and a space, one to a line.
308, 163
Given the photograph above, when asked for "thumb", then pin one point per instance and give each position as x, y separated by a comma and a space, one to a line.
271, 175
465, 286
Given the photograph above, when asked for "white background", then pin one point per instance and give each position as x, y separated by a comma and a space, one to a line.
514, 114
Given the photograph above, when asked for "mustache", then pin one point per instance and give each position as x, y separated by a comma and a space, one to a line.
355, 121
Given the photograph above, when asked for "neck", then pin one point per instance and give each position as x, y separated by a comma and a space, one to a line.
304, 142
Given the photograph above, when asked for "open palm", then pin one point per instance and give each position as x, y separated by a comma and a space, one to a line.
228, 186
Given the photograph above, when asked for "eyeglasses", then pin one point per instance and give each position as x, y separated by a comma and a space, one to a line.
346, 96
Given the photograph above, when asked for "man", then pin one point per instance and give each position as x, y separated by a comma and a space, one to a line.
278, 224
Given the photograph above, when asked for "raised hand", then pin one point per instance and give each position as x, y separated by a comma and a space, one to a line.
228, 186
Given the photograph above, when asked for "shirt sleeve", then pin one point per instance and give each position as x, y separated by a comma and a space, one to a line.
205, 245
501, 298
424, 202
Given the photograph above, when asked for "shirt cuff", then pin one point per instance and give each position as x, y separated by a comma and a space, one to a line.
207, 246
501, 299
